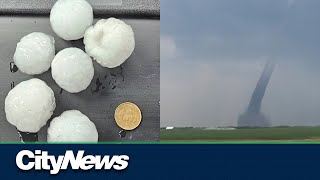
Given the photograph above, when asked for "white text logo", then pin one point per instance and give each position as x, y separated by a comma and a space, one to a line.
41, 160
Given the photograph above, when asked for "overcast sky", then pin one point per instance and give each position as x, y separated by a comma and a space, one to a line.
213, 52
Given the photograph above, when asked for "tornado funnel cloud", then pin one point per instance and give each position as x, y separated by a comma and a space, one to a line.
258, 93
253, 117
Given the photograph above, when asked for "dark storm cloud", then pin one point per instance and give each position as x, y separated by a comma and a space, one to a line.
213, 52
250, 28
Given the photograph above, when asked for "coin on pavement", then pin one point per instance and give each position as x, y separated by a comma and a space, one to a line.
128, 116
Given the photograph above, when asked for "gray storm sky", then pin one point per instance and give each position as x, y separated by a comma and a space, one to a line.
213, 52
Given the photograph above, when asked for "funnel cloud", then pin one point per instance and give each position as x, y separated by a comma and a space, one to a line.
253, 116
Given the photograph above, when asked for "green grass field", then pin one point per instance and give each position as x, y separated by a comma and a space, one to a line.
277, 134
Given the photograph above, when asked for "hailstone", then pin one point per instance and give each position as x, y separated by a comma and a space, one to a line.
34, 53
72, 70
72, 126
70, 18
29, 105
110, 42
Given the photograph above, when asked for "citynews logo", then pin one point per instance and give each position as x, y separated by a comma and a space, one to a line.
40, 160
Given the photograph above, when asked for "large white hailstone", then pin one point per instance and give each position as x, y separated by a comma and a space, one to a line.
70, 18
110, 42
72, 69
72, 126
34, 53
29, 105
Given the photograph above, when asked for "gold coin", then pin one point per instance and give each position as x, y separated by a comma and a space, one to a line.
128, 116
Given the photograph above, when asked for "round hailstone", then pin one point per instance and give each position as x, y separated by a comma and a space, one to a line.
70, 18
110, 42
72, 126
29, 105
34, 53
72, 70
